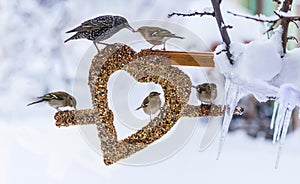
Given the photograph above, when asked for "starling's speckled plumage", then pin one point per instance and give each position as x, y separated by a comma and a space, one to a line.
206, 92
99, 28
57, 99
151, 104
156, 35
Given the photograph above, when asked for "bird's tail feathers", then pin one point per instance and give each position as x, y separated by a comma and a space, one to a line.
38, 101
74, 37
138, 108
73, 30
180, 37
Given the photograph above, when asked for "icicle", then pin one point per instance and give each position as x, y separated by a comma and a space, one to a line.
288, 99
278, 122
274, 114
233, 95
287, 118
281, 113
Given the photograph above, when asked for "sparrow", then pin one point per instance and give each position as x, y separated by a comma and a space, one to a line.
151, 104
57, 100
99, 29
156, 35
206, 92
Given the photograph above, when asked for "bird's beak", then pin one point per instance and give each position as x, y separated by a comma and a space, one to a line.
194, 87
130, 28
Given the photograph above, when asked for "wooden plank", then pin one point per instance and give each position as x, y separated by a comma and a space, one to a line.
202, 59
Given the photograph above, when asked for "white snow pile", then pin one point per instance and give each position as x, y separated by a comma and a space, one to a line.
259, 69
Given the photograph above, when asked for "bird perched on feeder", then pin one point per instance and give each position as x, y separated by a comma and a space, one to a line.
156, 35
57, 100
151, 103
99, 29
206, 92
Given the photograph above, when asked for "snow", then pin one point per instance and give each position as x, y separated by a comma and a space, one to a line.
34, 60
288, 98
256, 65
290, 65
263, 65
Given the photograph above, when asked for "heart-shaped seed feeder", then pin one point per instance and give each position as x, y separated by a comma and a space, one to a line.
145, 66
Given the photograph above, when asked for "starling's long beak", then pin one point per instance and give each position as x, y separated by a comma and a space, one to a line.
194, 86
130, 28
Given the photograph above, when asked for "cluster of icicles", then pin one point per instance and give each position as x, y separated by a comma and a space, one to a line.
287, 99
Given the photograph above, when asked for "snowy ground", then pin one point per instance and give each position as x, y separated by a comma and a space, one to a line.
34, 60
38, 152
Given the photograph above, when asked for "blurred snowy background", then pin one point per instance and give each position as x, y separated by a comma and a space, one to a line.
34, 60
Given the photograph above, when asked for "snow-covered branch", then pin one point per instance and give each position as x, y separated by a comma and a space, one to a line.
286, 6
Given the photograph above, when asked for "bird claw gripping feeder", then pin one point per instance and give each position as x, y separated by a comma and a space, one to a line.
145, 66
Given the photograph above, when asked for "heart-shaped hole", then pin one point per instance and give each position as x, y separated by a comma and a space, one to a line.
125, 94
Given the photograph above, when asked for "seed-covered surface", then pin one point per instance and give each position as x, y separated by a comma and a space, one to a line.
144, 67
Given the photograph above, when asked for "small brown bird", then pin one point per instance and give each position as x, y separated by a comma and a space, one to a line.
156, 35
57, 100
100, 28
151, 103
206, 92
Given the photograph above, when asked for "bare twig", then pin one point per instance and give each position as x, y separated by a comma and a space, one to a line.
273, 22
192, 14
295, 23
227, 27
292, 38
222, 28
253, 18
271, 28
282, 18
289, 18
223, 50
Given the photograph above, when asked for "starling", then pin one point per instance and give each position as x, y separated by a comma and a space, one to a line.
151, 103
156, 35
206, 92
99, 29
57, 99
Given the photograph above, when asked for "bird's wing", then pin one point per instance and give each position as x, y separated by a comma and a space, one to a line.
96, 23
213, 85
52, 96
159, 32
145, 102
203, 87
